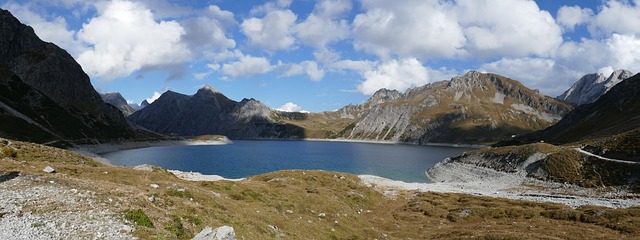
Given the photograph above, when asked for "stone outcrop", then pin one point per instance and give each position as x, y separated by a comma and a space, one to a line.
474, 108
592, 86
116, 99
221, 233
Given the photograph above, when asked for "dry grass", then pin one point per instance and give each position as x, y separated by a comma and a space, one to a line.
315, 205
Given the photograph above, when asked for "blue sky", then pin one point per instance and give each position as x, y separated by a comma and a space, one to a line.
322, 55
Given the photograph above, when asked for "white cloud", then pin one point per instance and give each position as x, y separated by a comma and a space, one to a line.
323, 25
507, 28
625, 52
446, 29
272, 32
153, 98
569, 17
207, 32
202, 75
359, 66
289, 107
407, 28
622, 17
310, 68
126, 38
247, 66
394, 74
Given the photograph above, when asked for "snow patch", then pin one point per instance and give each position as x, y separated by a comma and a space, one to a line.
498, 98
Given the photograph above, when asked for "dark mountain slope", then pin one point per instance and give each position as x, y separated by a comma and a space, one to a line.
616, 112
210, 112
53, 73
116, 100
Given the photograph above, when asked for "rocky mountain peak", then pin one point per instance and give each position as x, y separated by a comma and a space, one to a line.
592, 86
116, 99
209, 88
383, 95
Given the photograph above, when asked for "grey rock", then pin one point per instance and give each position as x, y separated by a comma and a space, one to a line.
116, 99
592, 86
49, 169
221, 233
473, 108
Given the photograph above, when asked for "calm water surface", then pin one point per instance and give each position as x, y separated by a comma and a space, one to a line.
247, 158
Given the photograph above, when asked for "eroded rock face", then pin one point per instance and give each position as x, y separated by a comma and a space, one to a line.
474, 108
592, 86
52, 72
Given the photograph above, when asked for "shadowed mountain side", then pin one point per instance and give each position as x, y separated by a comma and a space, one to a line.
52, 72
33, 116
210, 112
616, 112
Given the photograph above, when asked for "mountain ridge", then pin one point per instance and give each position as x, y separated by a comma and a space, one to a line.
47, 72
590, 87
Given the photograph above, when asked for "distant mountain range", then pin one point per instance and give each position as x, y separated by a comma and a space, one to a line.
474, 108
210, 112
45, 95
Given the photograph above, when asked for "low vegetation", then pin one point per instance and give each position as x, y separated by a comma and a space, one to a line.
557, 163
312, 205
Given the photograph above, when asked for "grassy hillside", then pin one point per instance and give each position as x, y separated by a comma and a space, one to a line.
308, 205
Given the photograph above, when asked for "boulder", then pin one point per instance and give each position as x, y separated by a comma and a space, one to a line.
221, 233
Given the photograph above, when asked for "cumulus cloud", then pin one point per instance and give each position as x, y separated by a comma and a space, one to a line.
125, 38
323, 25
247, 66
622, 17
407, 28
394, 74
272, 32
289, 107
445, 29
508, 28
310, 68
570, 16
208, 32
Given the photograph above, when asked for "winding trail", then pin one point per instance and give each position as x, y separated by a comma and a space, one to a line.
580, 150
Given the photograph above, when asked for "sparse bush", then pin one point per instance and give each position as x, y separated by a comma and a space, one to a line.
9, 152
176, 228
138, 217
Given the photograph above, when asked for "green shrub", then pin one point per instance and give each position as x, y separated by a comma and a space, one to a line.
139, 218
176, 228
9, 152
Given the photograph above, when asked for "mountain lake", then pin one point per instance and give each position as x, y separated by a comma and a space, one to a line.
244, 158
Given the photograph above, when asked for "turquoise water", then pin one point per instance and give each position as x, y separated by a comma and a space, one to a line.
246, 158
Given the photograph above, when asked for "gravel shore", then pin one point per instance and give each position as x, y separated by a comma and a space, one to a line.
34, 208
453, 177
